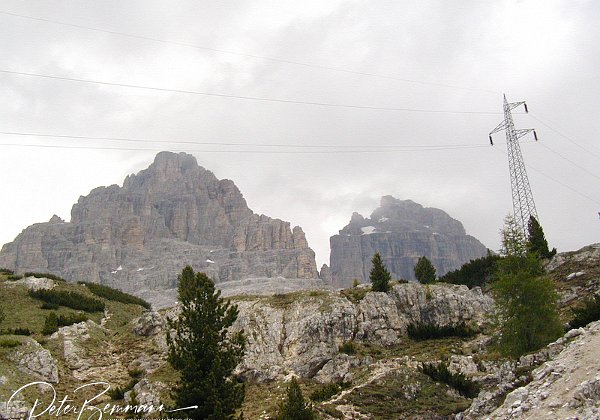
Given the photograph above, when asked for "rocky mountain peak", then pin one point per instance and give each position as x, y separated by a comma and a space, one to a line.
401, 231
167, 216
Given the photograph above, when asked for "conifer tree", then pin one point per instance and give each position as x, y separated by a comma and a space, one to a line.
425, 271
295, 407
536, 240
204, 351
513, 238
380, 277
525, 297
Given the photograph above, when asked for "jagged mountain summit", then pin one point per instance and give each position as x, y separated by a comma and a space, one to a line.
401, 231
140, 235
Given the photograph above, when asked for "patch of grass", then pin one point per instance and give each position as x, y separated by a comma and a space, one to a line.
326, 391
406, 393
25, 311
8, 342
355, 294
14, 277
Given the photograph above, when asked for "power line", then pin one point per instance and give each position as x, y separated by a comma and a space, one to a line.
570, 161
556, 180
87, 147
565, 136
254, 56
215, 143
252, 98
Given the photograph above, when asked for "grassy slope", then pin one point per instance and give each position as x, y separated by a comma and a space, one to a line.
116, 343
381, 398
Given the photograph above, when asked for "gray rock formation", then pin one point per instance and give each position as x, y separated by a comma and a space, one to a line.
566, 386
33, 359
140, 235
401, 231
301, 336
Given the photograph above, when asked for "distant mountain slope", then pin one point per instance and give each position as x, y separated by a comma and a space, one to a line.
401, 231
140, 235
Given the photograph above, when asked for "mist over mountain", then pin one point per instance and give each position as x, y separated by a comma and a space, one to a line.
401, 231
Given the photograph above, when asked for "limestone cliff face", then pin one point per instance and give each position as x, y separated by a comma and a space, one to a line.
401, 231
302, 335
169, 215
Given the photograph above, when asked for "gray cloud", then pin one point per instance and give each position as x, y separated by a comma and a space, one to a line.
545, 52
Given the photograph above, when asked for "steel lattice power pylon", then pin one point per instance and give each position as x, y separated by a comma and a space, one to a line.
523, 204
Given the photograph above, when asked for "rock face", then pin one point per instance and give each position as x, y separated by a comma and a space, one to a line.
35, 360
401, 231
565, 387
140, 235
301, 334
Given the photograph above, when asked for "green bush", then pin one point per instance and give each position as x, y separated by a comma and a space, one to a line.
50, 324
43, 275
440, 373
116, 393
14, 277
9, 342
348, 347
71, 300
114, 294
588, 312
421, 331
327, 391
475, 273
17, 331
70, 319
6, 271
50, 306
356, 294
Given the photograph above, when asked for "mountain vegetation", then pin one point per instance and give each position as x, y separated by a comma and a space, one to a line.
380, 277
204, 351
425, 271
525, 296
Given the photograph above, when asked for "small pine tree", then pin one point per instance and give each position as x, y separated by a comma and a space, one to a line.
513, 238
425, 271
204, 351
50, 324
295, 407
536, 240
527, 309
380, 277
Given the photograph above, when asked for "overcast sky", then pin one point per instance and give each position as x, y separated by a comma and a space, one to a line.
421, 55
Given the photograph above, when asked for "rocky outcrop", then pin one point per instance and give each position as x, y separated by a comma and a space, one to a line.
140, 235
401, 231
300, 334
31, 358
566, 386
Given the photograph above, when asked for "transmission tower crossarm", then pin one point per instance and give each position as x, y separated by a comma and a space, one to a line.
499, 127
521, 133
